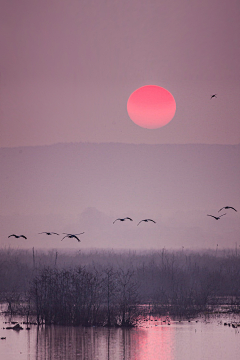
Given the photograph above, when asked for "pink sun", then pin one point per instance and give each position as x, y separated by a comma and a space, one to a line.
151, 106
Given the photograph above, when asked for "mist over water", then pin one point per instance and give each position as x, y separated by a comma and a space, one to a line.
166, 290
174, 282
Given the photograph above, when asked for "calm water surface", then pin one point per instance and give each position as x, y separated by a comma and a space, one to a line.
153, 340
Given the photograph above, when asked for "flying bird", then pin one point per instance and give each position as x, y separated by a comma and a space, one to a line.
18, 236
146, 220
214, 95
217, 217
126, 218
48, 233
227, 207
72, 236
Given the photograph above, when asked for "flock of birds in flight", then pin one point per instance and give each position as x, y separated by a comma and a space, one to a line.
70, 236
76, 236
128, 218
225, 207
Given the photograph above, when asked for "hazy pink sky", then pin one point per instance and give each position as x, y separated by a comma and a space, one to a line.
67, 69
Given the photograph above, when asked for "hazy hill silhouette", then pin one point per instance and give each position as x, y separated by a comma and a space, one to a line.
174, 184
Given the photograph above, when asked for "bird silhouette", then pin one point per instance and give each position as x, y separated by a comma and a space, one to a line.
123, 219
214, 95
72, 236
48, 233
146, 220
217, 217
227, 207
18, 236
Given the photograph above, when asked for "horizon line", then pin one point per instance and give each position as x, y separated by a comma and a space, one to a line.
114, 143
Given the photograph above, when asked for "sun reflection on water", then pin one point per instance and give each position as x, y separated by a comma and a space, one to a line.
154, 339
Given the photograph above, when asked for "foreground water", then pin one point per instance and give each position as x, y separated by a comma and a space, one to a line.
154, 339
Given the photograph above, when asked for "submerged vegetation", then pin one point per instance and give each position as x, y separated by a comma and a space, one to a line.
113, 288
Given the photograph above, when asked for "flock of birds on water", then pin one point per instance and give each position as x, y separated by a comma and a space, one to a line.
76, 236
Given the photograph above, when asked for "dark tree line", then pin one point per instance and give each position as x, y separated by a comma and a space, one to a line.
107, 287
